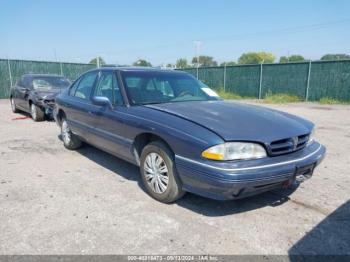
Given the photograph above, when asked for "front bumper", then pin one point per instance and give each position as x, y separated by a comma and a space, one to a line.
47, 107
238, 179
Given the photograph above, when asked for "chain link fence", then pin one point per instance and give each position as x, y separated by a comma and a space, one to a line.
306, 80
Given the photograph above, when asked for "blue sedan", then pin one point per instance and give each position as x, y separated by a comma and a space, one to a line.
183, 136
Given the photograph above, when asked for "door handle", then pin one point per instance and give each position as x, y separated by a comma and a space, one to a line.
94, 113
66, 105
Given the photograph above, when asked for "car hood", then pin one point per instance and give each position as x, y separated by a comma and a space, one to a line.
234, 121
47, 94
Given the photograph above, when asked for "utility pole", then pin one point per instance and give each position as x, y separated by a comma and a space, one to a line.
10, 73
260, 80
55, 54
61, 68
225, 77
197, 45
308, 82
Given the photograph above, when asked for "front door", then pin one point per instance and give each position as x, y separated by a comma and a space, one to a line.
110, 127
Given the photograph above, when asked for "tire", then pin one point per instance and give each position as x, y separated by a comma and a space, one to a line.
13, 106
37, 113
160, 177
70, 141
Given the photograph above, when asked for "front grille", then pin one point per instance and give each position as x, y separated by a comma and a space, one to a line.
288, 145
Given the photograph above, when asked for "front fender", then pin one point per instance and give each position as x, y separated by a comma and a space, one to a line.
184, 137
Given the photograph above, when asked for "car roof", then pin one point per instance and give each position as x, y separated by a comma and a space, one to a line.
41, 75
136, 69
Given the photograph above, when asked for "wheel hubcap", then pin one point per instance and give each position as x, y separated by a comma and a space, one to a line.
156, 173
33, 111
65, 132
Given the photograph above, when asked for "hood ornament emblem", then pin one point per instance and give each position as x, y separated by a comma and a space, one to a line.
295, 142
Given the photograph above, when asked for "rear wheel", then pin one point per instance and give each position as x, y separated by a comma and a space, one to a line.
70, 141
159, 174
37, 113
13, 105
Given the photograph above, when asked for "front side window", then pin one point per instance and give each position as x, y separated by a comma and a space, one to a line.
73, 88
20, 82
85, 85
148, 87
108, 87
26, 82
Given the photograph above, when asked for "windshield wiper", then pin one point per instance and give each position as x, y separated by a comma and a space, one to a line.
151, 103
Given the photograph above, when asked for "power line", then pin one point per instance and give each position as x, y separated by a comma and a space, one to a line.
303, 28
287, 30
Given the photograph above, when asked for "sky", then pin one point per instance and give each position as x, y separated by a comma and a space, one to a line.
162, 31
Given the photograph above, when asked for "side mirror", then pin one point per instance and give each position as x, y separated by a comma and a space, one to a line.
101, 101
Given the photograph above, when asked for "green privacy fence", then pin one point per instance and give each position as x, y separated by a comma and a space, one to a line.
11, 71
307, 80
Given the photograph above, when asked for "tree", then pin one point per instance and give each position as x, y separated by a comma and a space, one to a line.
335, 57
204, 61
181, 63
142, 62
94, 61
284, 59
230, 63
256, 58
292, 58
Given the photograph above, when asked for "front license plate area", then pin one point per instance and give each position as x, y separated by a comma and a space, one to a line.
304, 172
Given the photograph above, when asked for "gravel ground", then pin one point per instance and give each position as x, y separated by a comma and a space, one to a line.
55, 201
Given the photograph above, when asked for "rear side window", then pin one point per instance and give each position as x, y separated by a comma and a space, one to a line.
85, 85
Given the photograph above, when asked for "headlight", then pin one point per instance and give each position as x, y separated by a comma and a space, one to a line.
234, 151
311, 137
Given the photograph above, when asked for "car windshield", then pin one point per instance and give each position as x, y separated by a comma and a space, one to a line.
47, 83
147, 87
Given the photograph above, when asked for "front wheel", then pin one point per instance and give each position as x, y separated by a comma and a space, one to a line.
37, 113
159, 174
70, 141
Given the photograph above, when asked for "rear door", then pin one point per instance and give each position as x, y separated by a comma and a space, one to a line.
78, 107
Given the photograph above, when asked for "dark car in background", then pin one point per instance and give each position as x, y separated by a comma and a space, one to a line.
183, 136
35, 94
